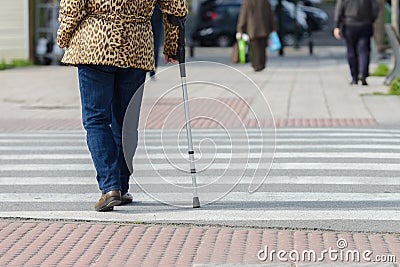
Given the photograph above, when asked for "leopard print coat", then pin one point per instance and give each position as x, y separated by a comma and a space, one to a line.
115, 32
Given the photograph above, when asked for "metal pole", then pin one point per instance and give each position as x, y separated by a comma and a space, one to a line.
195, 6
395, 15
196, 201
297, 35
181, 58
279, 10
379, 29
192, 20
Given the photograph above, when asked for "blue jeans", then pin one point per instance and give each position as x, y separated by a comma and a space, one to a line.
105, 95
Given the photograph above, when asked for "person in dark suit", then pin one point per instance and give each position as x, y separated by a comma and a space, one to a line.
256, 19
354, 20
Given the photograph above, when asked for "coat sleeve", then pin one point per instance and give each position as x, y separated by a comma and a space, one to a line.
70, 15
171, 33
242, 21
375, 9
338, 18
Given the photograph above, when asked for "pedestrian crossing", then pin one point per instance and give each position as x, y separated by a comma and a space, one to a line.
317, 174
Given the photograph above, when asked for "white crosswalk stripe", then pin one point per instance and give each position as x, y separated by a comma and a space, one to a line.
345, 173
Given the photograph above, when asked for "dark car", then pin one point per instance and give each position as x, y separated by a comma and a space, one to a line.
307, 2
216, 24
217, 20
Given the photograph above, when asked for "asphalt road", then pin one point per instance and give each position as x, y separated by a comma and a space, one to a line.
334, 179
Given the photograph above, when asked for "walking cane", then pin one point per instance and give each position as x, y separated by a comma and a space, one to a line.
180, 21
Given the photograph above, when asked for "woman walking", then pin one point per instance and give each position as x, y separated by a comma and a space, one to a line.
111, 43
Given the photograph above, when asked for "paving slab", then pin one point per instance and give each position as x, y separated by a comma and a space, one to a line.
385, 109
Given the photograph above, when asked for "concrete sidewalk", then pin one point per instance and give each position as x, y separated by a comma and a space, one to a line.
301, 90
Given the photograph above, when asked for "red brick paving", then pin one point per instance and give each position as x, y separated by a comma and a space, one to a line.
57, 124
168, 113
40, 124
84, 244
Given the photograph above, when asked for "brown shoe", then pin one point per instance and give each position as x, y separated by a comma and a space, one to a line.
108, 201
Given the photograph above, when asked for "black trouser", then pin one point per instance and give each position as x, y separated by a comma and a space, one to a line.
358, 42
258, 57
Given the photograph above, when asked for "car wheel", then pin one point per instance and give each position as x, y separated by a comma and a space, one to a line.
224, 41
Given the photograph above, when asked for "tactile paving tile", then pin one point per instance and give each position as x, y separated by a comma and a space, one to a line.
76, 124
85, 244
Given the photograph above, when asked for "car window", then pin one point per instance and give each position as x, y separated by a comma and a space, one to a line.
233, 11
228, 12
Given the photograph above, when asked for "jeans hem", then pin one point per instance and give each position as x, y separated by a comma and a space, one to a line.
105, 191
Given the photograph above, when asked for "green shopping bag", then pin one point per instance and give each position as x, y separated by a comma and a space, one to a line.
244, 50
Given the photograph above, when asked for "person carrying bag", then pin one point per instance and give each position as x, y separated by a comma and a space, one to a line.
256, 19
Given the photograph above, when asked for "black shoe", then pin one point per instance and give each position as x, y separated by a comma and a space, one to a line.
363, 81
353, 82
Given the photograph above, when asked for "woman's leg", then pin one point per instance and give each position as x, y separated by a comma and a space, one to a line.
127, 83
97, 89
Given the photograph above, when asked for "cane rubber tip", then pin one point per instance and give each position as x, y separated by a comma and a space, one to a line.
196, 202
